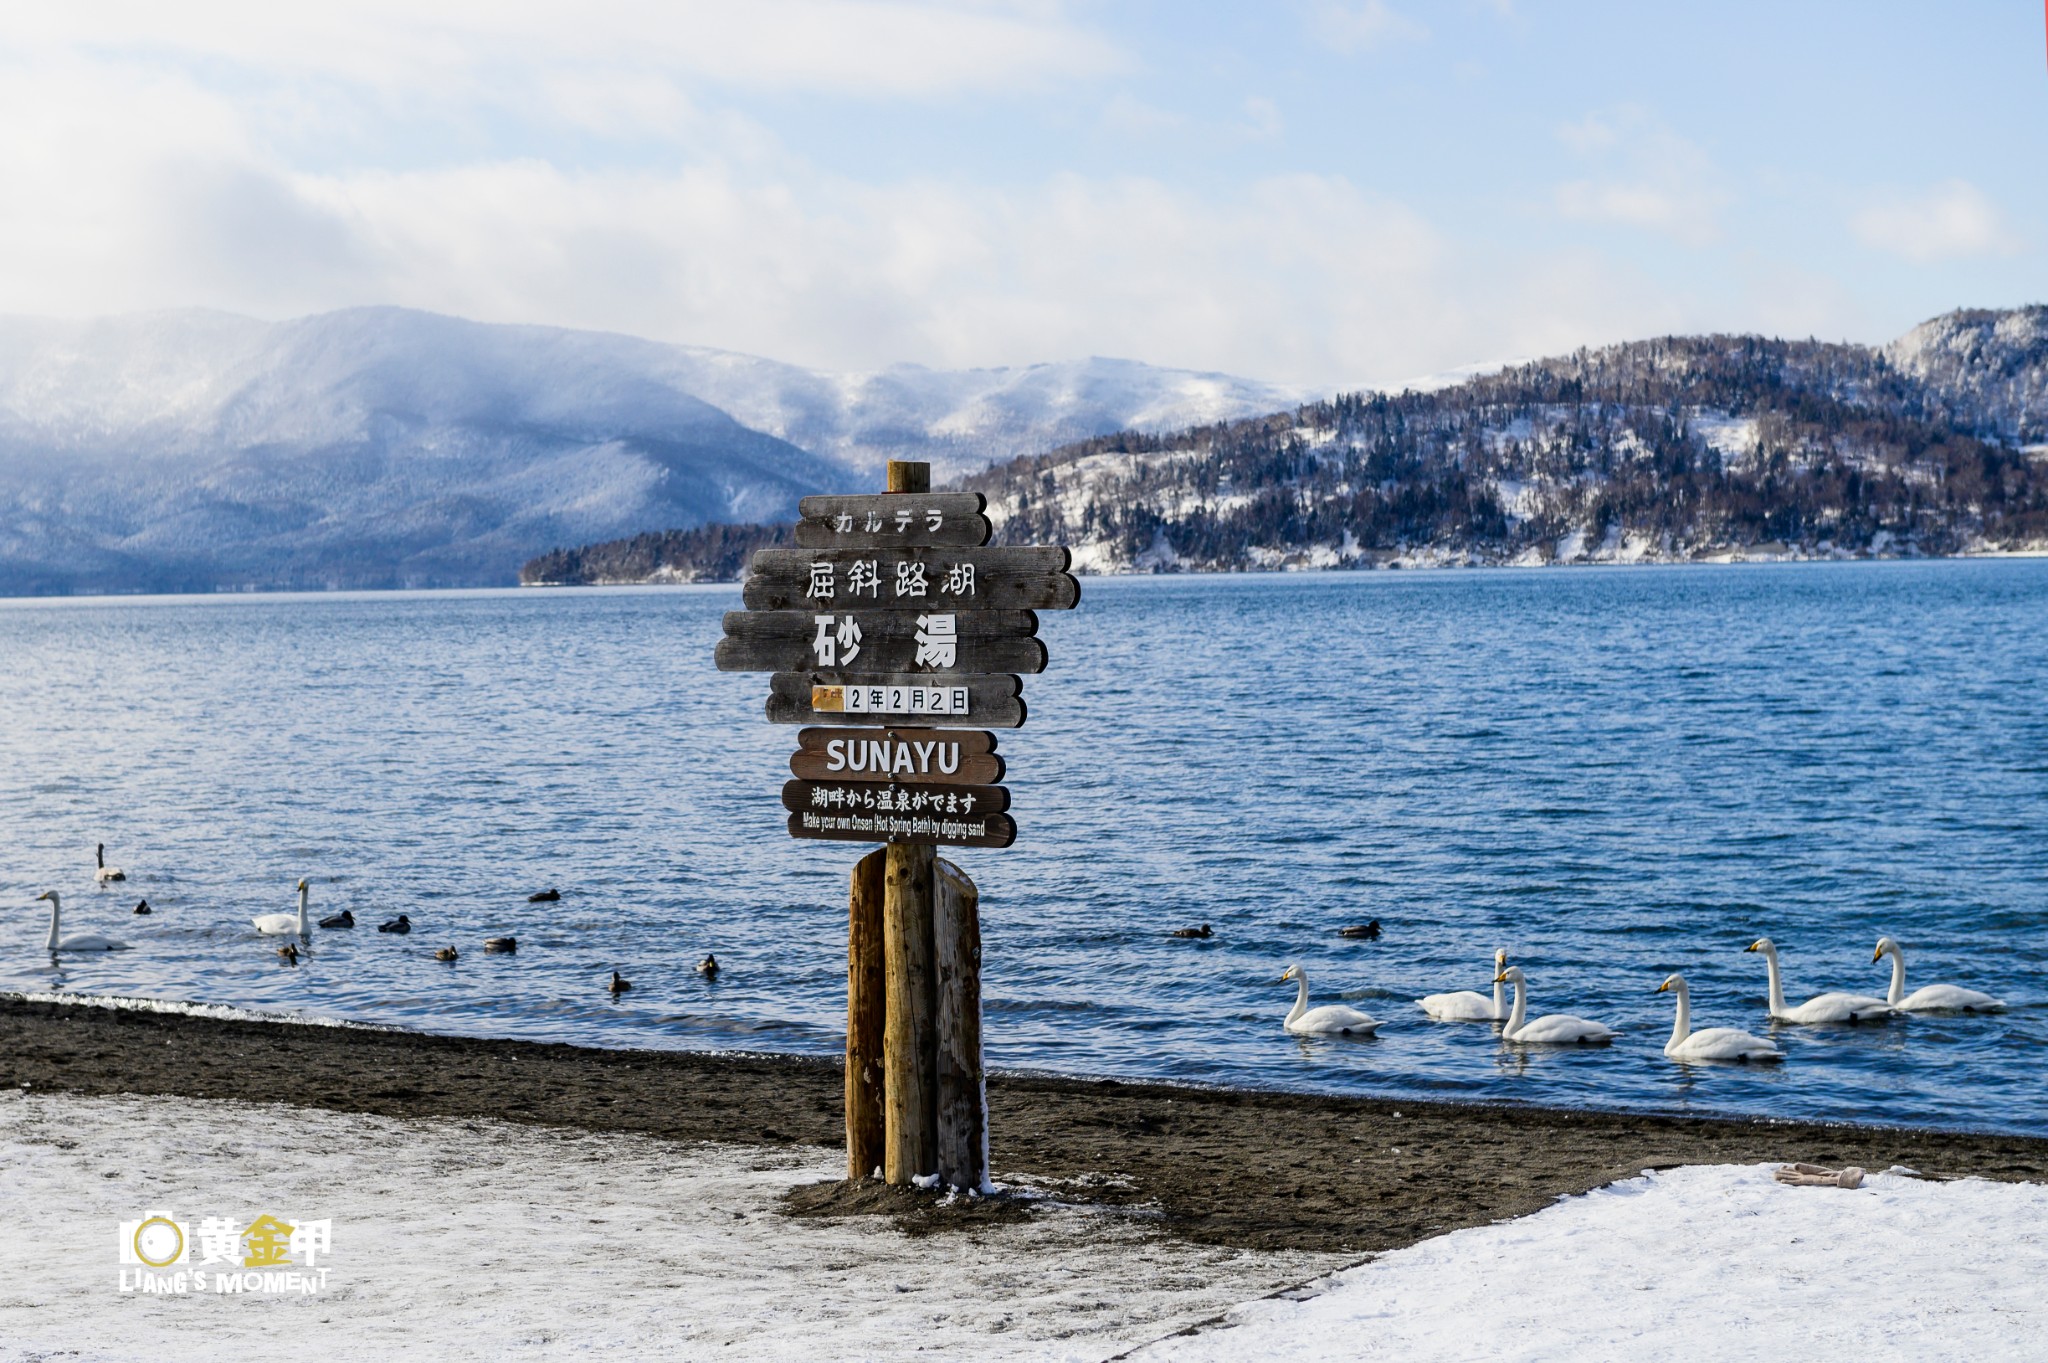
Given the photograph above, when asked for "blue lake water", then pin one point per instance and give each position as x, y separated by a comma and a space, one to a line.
1611, 773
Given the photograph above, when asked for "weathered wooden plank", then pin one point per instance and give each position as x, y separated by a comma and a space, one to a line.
881, 797
864, 1017
909, 1038
962, 1110
893, 520
1020, 578
953, 757
944, 830
881, 641
986, 701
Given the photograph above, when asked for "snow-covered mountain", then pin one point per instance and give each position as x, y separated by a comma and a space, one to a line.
385, 447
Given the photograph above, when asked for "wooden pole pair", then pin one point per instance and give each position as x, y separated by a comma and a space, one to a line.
914, 1083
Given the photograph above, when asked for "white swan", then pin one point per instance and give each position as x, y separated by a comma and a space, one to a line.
1468, 1006
88, 941
1559, 1028
106, 872
1930, 998
1331, 1017
277, 924
1821, 1007
1715, 1043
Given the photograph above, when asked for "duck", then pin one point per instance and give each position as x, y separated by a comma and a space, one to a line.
1821, 1007
1930, 998
288, 953
345, 919
1554, 1029
105, 872
141, 906
398, 924
506, 945
1331, 1018
1467, 1005
1202, 931
547, 896
446, 954
85, 941
1714, 1043
277, 924
1367, 931
708, 967
620, 984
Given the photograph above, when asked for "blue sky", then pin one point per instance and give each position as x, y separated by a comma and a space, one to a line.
1326, 192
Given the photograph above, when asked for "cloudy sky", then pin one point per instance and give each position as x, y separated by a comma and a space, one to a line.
1315, 191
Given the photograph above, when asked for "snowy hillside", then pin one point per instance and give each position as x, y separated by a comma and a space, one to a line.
1994, 363
1683, 448
382, 447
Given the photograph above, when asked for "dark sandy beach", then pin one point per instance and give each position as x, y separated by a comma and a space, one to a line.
1251, 1169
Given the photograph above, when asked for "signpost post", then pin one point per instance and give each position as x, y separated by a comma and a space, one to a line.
889, 616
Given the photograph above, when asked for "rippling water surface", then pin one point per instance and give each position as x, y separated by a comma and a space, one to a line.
1612, 773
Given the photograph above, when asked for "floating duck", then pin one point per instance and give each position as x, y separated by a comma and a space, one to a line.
445, 954
398, 924
620, 984
547, 896
1202, 931
142, 906
1368, 931
507, 945
288, 953
344, 919
708, 967
105, 872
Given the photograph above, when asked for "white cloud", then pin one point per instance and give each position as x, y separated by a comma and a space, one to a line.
868, 47
1262, 118
1129, 116
1647, 177
1949, 221
1364, 27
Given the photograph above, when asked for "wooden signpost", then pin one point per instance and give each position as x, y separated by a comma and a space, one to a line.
889, 618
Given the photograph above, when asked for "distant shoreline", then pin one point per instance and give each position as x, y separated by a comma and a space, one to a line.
1237, 1167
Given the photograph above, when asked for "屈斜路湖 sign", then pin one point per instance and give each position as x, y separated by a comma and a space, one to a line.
899, 638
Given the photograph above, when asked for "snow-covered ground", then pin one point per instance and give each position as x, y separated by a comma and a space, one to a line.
1690, 1265
472, 1239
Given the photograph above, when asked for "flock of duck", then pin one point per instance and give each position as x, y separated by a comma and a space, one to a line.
1712, 1043
298, 925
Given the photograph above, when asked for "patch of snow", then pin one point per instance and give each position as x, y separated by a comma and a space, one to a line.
469, 1239
1687, 1266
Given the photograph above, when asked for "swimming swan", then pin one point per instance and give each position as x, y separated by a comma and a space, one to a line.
1931, 998
277, 924
1821, 1007
1556, 1029
1715, 1043
1467, 1006
1331, 1017
86, 941
106, 872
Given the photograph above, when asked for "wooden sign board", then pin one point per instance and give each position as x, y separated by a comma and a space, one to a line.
892, 520
945, 830
983, 700
881, 641
943, 756
880, 797
919, 579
